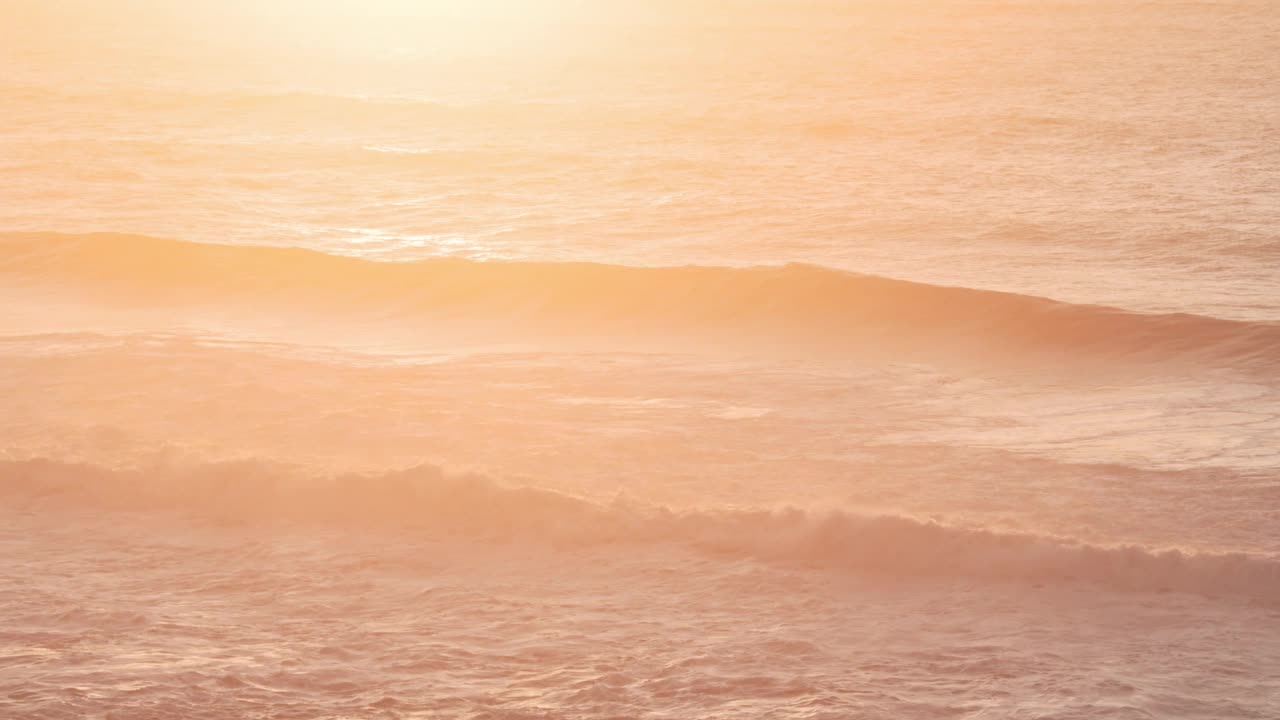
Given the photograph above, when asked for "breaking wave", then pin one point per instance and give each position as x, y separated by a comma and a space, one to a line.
799, 306
472, 507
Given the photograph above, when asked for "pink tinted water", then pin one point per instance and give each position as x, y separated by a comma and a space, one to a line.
859, 487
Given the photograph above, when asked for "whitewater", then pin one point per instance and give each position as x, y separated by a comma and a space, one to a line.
717, 359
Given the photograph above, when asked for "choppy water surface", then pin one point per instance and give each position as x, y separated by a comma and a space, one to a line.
715, 359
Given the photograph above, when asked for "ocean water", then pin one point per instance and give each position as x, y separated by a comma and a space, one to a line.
710, 359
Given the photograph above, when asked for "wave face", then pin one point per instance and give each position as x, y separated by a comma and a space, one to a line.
425, 499
802, 306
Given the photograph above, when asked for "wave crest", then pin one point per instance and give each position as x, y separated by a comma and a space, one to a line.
801, 307
426, 499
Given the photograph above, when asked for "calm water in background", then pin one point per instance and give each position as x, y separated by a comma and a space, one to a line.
828, 474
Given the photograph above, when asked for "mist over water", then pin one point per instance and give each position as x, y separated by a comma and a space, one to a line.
643, 359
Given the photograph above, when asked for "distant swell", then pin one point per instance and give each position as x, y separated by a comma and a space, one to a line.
426, 500
801, 307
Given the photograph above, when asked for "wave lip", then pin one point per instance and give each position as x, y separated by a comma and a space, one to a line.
472, 507
805, 307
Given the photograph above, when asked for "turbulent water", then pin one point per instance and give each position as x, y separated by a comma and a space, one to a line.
514, 359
